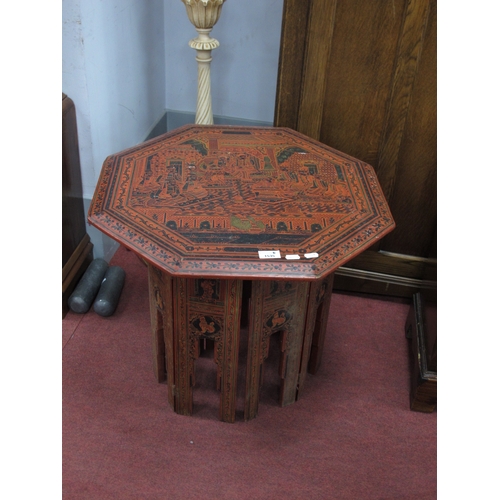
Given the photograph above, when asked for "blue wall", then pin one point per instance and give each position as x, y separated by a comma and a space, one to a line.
125, 63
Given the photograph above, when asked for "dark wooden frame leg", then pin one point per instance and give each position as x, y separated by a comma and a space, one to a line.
421, 332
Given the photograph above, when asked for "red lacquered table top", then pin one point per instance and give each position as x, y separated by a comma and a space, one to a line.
204, 200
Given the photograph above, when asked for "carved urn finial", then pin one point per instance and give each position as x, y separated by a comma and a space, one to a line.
203, 14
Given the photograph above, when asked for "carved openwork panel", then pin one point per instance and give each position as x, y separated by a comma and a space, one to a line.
206, 309
277, 306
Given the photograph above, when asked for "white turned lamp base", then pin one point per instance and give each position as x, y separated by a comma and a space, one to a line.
203, 14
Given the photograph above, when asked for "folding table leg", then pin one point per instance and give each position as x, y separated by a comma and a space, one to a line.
229, 344
206, 309
160, 303
320, 309
275, 306
292, 345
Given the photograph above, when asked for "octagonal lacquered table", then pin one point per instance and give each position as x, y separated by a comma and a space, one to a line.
215, 210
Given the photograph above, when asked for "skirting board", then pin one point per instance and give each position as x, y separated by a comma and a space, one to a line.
174, 119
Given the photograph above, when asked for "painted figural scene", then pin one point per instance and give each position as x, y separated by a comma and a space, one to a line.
196, 194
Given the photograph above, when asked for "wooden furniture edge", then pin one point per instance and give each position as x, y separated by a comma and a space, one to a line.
74, 269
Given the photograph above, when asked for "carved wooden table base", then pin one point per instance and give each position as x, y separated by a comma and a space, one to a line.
185, 311
215, 209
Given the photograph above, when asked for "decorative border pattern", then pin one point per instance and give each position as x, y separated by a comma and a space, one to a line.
112, 212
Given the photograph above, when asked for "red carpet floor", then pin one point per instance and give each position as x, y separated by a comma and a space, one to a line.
350, 436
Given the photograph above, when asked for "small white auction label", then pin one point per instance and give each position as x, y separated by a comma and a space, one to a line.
312, 255
269, 254
292, 257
